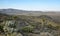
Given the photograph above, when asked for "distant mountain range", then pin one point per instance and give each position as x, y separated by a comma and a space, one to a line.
25, 12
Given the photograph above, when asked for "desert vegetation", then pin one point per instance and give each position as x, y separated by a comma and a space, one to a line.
22, 25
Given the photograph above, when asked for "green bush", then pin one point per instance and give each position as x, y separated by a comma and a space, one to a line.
27, 29
53, 27
1, 29
57, 27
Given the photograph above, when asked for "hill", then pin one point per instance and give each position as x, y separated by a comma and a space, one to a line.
23, 25
25, 12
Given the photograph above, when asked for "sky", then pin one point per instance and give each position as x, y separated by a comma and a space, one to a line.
35, 5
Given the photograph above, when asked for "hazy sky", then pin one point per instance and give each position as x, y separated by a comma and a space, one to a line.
43, 5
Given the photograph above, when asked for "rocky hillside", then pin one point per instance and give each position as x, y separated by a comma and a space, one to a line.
22, 25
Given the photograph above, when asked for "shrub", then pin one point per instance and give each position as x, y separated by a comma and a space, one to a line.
1, 29
27, 29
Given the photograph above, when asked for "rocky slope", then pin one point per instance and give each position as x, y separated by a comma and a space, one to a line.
22, 25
